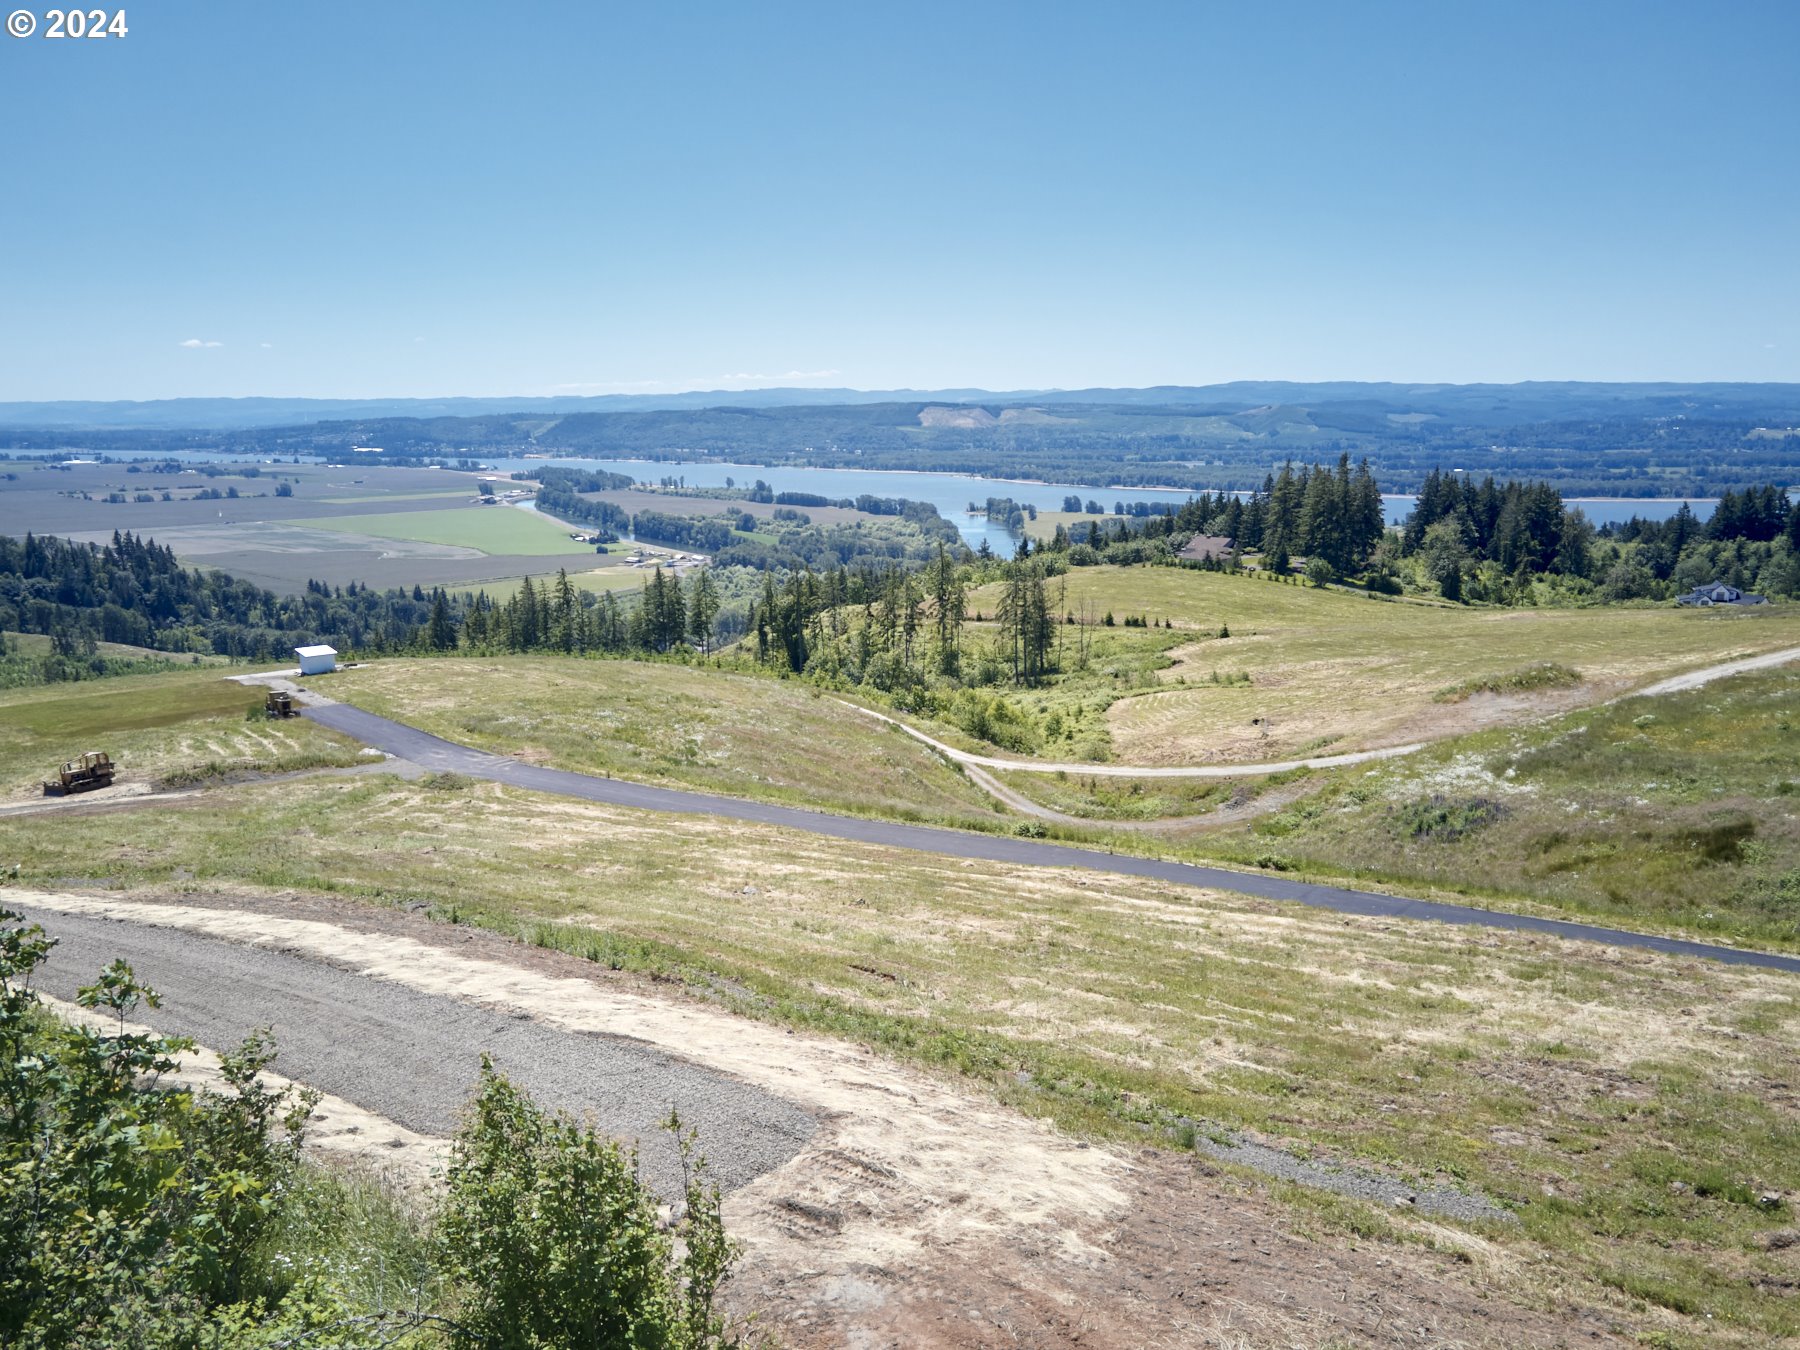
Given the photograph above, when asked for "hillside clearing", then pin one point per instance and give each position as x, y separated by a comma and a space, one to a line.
1575, 1084
1302, 664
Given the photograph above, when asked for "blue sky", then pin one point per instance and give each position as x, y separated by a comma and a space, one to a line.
403, 198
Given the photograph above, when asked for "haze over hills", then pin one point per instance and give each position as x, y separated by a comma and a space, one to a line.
1464, 404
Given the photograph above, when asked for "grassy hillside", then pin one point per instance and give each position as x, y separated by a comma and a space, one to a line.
159, 730
1630, 1110
1676, 811
739, 734
1306, 669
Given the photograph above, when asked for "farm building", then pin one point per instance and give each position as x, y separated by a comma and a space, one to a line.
316, 660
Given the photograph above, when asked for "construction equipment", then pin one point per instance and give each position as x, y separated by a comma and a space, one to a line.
92, 770
280, 703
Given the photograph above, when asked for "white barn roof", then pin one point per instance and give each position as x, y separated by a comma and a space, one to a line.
315, 651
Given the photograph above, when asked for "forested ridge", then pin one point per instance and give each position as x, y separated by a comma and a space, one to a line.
1625, 440
135, 591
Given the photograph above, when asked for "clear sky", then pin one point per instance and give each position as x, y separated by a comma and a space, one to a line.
406, 198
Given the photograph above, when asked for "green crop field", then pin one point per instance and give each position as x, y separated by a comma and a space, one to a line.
1630, 1110
159, 729
490, 529
1307, 669
746, 735
375, 494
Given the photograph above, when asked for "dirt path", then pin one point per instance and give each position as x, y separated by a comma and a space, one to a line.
139, 793
1695, 678
1228, 814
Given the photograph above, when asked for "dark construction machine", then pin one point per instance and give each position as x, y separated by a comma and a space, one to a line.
280, 704
92, 770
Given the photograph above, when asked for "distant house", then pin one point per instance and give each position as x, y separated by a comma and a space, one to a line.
316, 660
1204, 546
1718, 593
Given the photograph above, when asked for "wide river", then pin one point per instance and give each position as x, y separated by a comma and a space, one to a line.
952, 493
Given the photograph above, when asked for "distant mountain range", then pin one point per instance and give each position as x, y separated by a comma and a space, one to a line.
1472, 405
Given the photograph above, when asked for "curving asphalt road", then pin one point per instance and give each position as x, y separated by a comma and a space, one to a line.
414, 1057
433, 752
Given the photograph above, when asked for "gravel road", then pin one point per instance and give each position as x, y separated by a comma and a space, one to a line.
414, 1057
432, 752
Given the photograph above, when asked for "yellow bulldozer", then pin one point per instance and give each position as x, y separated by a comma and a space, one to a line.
92, 770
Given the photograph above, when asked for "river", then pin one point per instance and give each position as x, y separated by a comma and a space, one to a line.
952, 493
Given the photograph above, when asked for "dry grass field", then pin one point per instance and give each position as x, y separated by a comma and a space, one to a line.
1679, 812
1631, 1111
161, 730
662, 723
1308, 670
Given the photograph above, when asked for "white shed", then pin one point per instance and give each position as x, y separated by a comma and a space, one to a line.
317, 660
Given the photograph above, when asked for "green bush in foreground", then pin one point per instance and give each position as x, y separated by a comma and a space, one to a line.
554, 1242
130, 1215
138, 1214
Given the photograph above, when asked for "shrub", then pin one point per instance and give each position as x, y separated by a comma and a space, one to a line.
1440, 818
992, 719
552, 1241
130, 1215
1528, 679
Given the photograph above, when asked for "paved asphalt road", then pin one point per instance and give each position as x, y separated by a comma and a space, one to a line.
415, 1057
432, 752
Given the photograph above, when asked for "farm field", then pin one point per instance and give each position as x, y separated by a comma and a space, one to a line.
673, 504
617, 577
344, 523
1044, 527
1628, 1109
1326, 671
664, 723
161, 730
488, 529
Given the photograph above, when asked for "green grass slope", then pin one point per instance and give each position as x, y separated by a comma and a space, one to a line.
662, 723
